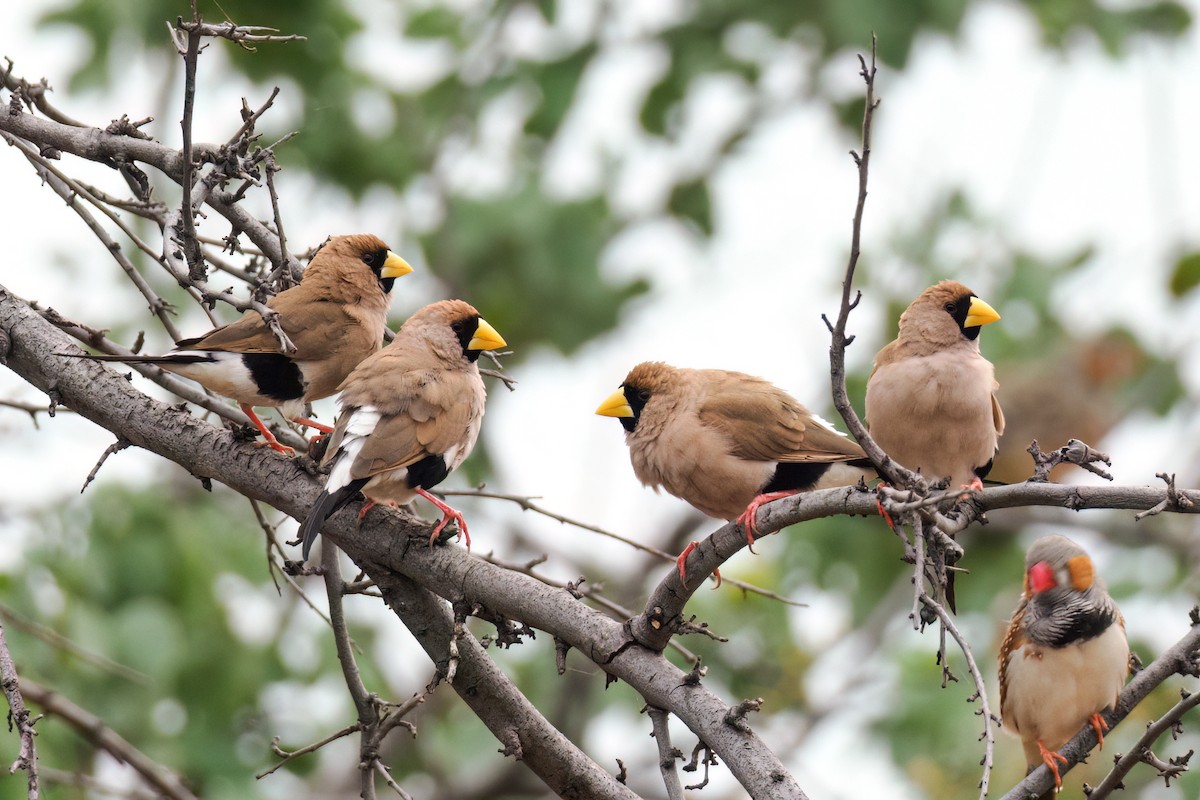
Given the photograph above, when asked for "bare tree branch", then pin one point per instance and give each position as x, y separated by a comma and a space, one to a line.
1140, 752
93, 729
667, 753
20, 717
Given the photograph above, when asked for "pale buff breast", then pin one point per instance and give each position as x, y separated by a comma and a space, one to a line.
389, 487
675, 452
934, 412
1052, 692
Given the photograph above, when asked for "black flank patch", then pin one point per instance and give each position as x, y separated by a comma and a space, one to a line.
428, 472
790, 475
983, 471
275, 375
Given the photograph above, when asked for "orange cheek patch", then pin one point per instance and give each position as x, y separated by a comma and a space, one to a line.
1082, 575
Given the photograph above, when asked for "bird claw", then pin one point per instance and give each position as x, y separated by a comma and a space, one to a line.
747, 517
448, 513
274, 444
268, 437
1049, 758
1099, 725
681, 562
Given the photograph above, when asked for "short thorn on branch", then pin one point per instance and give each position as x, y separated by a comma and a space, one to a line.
736, 716
696, 674
512, 745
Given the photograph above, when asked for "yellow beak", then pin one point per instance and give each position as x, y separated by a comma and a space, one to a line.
615, 406
980, 313
486, 338
394, 267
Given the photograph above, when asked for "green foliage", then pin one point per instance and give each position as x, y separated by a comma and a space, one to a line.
372, 152
1186, 275
529, 266
139, 579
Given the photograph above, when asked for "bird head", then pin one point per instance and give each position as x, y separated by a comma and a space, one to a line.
628, 401
1057, 563
362, 248
951, 309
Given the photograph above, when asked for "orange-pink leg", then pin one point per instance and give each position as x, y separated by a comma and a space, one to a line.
271, 441
681, 563
1049, 757
746, 520
367, 506
308, 423
882, 511
448, 514
976, 485
1099, 726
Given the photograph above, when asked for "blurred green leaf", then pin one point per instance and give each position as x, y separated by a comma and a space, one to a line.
1186, 275
433, 23
557, 82
692, 202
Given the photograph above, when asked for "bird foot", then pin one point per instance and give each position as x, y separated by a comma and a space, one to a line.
882, 511
746, 520
448, 513
274, 444
308, 423
682, 561
367, 506
270, 440
1099, 726
1049, 758
976, 485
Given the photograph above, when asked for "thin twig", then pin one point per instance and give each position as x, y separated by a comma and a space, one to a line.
528, 504
289, 755
667, 754
240, 34
1141, 750
191, 248
115, 447
985, 710
20, 718
93, 729
887, 468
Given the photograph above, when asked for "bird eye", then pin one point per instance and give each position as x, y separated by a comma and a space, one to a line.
643, 395
950, 308
456, 326
369, 259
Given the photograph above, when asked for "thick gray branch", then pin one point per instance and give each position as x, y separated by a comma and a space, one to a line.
385, 545
664, 608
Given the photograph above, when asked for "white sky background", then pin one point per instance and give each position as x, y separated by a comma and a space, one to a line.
1059, 150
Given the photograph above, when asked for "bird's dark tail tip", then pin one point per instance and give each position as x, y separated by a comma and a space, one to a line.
326, 506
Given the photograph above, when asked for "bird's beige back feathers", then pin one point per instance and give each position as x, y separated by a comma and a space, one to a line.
335, 317
713, 437
429, 396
